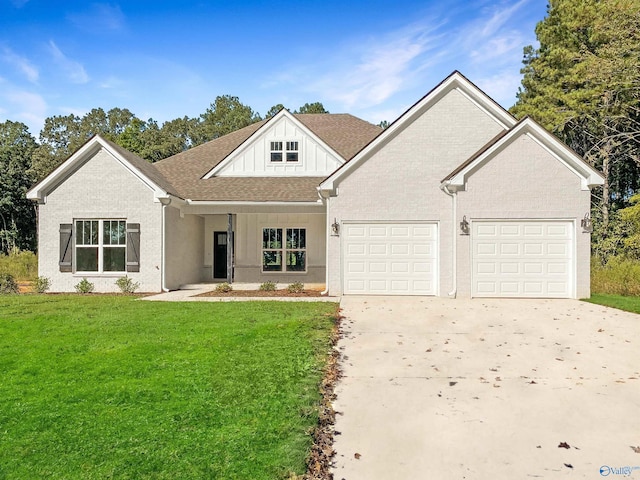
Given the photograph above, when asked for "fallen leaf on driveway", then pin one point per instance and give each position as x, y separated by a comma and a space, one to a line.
533, 382
560, 359
357, 455
636, 449
600, 330
451, 384
564, 445
568, 465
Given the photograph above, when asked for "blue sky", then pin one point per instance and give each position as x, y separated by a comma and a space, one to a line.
167, 59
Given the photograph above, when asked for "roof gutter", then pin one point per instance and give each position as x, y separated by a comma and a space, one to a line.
188, 201
454, 264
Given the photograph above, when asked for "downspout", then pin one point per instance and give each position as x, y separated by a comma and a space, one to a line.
163, 264
454, 263
326, 254
326, 246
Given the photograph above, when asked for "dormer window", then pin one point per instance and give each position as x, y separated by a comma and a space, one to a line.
289, 152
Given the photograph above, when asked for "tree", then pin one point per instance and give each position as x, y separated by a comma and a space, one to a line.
225, 115
64, 134
315, 107
17, 214
583, 83
273, 111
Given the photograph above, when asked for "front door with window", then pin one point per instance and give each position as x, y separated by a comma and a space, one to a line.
219, 254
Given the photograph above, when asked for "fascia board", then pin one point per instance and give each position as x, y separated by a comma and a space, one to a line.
93, 146
588, 175
455, 81
248, 141
261, 131
59, 174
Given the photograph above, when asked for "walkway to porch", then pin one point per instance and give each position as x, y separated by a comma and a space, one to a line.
189, 293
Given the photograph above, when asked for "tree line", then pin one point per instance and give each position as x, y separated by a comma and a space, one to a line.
582, 82
25, 161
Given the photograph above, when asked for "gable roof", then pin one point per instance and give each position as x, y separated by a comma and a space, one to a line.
188, 170
588, 175
139, 167
455, 81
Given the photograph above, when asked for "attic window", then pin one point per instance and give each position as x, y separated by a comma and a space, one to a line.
290, 152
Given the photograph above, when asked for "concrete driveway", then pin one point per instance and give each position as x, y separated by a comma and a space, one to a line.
487, 389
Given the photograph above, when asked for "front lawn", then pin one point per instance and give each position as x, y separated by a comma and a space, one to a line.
629, 304
111, 387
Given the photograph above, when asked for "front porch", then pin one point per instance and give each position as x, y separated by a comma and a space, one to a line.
245, 246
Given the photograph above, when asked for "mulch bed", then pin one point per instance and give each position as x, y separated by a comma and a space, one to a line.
261, 293
320, 459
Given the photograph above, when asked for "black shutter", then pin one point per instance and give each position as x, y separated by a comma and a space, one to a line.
133, 247
66, 247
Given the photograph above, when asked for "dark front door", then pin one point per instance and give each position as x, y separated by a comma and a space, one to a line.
219, 254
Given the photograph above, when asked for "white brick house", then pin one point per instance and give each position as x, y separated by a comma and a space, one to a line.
455, 198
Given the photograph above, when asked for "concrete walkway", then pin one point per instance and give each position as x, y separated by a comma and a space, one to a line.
487, 389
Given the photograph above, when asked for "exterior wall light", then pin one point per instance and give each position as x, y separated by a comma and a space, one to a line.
335, 228
464, 226
586, 223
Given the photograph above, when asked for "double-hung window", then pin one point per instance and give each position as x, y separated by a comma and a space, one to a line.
284, 249
100, 245
284, 151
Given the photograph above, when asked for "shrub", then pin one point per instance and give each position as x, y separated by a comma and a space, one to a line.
22, 265
268, 286
296, 287
8, 284
42, 284
126, 285
84, 286
619, 276
223, 288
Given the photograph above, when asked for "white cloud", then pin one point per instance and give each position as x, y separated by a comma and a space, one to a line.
368, 71
498, 47
19, 3
22, 64
101, 17
27, 107
74, 70
500, 17
502, 86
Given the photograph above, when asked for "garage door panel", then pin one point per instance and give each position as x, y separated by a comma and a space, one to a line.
400, 259
400, 249
509, 249
523, 258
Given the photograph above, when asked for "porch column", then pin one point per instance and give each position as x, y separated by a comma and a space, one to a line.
230, 243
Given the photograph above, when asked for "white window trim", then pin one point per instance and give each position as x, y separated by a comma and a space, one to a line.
284, 250
285, 151
100, 246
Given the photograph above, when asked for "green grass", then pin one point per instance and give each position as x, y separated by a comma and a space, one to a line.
112, 387
629, 304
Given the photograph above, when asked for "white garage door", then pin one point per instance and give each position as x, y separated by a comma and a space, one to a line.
390, 259
522, 259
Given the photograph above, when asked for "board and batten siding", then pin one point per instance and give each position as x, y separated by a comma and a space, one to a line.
314, 160
102, 188
248, 235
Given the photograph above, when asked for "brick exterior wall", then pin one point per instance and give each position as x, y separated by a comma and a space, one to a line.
101, 188
525, 181
401, 181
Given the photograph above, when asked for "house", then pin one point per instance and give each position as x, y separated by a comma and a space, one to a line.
456, 197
